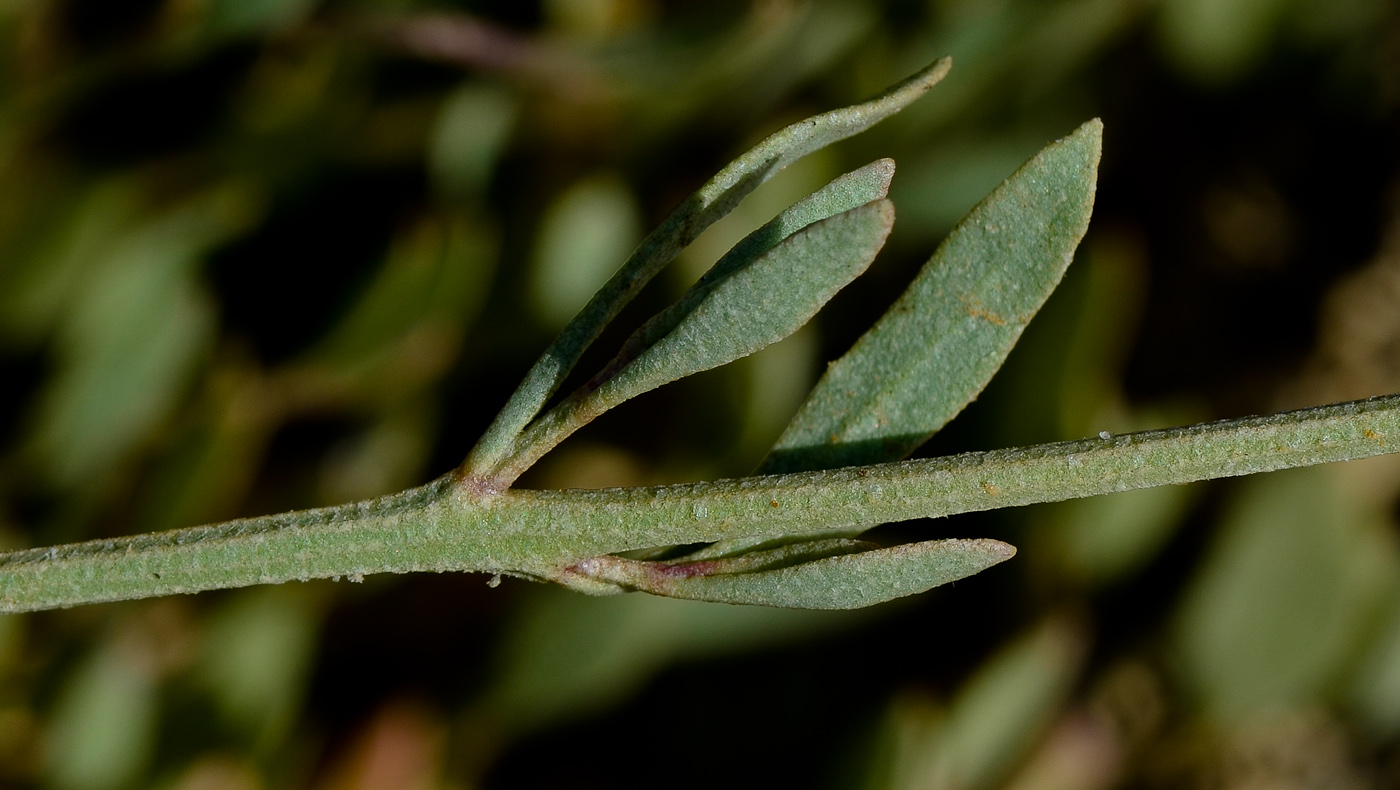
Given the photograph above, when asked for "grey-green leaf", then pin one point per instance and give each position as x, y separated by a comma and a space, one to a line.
945, 337
761, 303
852, 190
708, 204
753, 307
845, 581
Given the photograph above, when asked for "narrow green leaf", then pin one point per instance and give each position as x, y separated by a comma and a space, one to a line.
852, 190
757, 305
760, 303
708, 204
940, 343
844, 581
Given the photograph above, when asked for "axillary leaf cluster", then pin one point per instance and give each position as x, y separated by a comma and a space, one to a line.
787, 536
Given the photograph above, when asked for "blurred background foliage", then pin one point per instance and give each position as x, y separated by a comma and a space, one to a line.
258, 255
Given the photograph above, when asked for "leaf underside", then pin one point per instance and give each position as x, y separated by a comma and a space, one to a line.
761, 303
757, 303
941, 342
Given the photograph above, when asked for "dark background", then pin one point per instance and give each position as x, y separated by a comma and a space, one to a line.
261, 255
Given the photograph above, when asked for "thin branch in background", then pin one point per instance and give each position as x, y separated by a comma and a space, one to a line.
465, 41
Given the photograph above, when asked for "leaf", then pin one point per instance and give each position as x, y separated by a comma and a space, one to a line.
942, 341
584, 232
472, 129
255, 658
103, 724
761, 303
709, 203
566, 655
845, 581
995, 717
849, 191
137, 330
1286, 595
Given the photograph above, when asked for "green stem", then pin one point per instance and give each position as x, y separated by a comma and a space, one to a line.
439, 527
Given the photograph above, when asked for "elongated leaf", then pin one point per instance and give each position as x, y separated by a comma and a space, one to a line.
762, 303
844, 581
852, 190
753, 307
940, 343
709, 203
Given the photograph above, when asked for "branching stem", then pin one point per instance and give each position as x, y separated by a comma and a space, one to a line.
438, 527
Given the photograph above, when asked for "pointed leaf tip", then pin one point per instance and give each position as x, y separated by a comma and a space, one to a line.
945, 337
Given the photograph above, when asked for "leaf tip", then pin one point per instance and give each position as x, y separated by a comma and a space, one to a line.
1092, 129
884, 172
997, 551
884, 208
939, 69
922, 80
1090, 135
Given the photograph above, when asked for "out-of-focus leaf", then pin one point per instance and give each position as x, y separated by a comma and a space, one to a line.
243, 17
215, 771
1073, 362
1103, 538
1374, 688
389, 456
102, 728
139, 326
941, 342
11, 639
777, 194
1218, 41
35, 289
569, 654
939, 185
432, 285
751, 304
761, 302
209, 467
774, 383
1284, 595
851, 579
256, 652
991, 723
585, 231
746, 69
472, 129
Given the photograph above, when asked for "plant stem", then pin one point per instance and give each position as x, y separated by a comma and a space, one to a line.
441, 527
